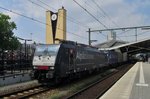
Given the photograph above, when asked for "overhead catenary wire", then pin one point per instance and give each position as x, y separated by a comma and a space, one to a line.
90, 20
91, 14
142, 33
68, 17
134, 34
48, 9
103, 34
27, 17
104, 12
124, 32
95, 17
94, 9
37, 4
105, 15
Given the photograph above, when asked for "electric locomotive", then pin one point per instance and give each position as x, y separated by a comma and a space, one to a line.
54, 62
114, 58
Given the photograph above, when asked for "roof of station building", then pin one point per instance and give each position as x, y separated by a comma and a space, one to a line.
110, 43
132, 47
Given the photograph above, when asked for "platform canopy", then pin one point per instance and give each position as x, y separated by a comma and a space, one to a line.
141, 46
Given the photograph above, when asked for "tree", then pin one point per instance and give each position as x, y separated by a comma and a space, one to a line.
7, 39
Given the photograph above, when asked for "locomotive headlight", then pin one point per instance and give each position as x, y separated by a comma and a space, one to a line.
51, 67
35, 67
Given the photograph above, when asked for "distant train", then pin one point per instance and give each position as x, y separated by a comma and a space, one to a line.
55, 62
141, 57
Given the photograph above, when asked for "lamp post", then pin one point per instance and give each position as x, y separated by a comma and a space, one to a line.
31, 35
25, 46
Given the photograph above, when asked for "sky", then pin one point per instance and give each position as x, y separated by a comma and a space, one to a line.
117, 13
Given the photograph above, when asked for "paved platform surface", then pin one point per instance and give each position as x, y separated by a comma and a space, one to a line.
16, 77
17, 87
135, 84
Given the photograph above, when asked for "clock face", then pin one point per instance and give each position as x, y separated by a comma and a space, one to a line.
54, 17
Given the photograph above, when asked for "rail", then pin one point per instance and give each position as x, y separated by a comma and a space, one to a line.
95, 90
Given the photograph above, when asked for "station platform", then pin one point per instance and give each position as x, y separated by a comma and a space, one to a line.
135, 84
16, 77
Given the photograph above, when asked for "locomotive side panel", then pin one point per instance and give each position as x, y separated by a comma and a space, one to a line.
84, 59
90, 59
66, 61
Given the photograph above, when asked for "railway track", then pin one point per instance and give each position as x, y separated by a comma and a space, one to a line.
97, 89
93, 91
24, 94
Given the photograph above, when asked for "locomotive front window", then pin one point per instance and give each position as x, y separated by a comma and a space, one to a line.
47, 50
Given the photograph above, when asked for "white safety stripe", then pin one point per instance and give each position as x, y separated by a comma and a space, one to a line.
141, 78
123, 87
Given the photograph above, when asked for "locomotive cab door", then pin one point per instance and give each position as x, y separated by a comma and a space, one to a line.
71, 56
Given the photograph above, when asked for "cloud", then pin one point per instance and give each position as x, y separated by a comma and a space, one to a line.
123, 12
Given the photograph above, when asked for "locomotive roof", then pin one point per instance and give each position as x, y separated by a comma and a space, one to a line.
73, 43
78, 44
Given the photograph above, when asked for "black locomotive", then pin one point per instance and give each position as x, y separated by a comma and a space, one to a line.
68, 59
